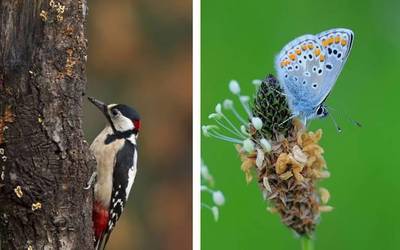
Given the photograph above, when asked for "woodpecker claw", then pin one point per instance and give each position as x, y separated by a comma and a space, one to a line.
91, 180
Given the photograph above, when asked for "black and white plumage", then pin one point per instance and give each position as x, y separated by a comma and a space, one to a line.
115, 151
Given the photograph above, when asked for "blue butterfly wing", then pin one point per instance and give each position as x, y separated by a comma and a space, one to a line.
309, 66
299, 66
337, 44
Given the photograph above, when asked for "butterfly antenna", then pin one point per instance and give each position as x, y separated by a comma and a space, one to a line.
356, 123
335, 123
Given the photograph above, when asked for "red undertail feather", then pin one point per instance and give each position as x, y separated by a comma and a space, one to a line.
100, 219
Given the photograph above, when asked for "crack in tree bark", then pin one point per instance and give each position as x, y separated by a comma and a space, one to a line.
43, 50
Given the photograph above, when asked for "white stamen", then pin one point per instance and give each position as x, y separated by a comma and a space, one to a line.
257, 123
256, 82
244, 98
228, 104
234, 87
215, 212
218, 198
207, 128
218, 108
248, 145
214, 116
204, 172
265, 145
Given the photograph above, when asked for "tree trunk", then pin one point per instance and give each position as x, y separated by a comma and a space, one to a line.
44, 160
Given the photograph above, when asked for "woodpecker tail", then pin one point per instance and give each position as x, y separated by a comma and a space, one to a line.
100, 223
101, 243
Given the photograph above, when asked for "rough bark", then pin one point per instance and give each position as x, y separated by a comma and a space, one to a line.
44, 160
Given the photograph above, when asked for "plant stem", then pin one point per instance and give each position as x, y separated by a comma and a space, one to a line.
307, 243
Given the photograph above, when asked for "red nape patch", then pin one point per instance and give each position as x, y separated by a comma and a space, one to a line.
137, 124
100, 219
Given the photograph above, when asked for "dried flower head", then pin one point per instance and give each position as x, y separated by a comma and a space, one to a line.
286, 158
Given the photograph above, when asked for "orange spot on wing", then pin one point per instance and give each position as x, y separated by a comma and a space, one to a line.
325, 43
343, 42
317, 52
304, 47
284, 63
337, 39
322, 58
298, 51
310, 46
292, 57
331, 40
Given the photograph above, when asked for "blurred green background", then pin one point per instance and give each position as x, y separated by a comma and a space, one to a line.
239, 41
140, 54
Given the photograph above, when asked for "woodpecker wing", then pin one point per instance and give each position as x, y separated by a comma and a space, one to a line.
125, 165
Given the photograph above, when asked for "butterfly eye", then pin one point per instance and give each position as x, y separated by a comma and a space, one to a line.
320, 111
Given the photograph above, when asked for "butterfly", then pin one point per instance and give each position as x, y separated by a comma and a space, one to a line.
308, 68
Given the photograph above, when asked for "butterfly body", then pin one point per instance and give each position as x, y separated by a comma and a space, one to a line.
308, 68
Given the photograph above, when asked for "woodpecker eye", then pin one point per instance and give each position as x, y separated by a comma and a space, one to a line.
114, 112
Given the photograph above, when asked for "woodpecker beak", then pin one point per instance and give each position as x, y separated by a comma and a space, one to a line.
100, 105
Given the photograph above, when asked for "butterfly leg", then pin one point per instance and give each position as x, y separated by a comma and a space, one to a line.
291, 117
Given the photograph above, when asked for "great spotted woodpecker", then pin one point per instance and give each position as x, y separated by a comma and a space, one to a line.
116, 155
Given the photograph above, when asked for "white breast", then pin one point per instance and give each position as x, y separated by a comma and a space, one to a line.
105, 157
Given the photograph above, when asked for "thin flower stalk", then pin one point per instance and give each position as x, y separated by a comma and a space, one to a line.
218, 198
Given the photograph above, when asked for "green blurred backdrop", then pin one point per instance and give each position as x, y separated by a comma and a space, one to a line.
140, 54
239, 41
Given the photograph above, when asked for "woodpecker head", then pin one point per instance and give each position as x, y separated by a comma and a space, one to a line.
122, 119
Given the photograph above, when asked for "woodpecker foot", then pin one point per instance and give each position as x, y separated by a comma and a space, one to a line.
91, 181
